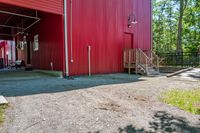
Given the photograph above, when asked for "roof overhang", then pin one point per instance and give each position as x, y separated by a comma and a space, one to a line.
16, 20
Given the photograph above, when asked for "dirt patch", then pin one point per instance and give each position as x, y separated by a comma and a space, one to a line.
105, 103
111, 106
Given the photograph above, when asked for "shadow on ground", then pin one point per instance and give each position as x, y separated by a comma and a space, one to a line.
30, 83
164, 122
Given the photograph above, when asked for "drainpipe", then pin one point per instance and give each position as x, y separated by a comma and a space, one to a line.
89, 60
71, 31
66, 40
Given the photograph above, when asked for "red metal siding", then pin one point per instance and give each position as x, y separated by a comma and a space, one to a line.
103, 25
128, 40
142, 31
50, 31
2, 49
51, 6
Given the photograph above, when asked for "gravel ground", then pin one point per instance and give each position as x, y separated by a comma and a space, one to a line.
116, 103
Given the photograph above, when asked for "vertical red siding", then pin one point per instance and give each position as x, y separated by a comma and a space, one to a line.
50, 43
103, 25
51, 6
2, 49
5, 47
142, 31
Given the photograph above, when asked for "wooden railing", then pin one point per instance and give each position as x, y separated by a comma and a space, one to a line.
155, 60
140, 60
129, 59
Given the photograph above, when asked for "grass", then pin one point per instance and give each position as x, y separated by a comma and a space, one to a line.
2, 111
188, 100
16, 74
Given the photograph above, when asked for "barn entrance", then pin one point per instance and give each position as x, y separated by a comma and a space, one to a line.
15, 25
37, 35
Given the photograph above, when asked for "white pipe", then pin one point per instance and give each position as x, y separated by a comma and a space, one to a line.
5, 34
16, 14
14, 27
66, 38
32, 24
1, 34
20, 15
27, 27
89, 60
71, 31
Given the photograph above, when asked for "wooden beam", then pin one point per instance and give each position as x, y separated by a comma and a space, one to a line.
179, 72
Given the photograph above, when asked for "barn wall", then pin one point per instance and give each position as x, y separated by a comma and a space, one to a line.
51, 6
142, 31
50, 31
102, 24
3, 49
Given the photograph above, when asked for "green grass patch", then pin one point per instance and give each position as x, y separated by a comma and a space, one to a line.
2, 112
16, 74
188, 100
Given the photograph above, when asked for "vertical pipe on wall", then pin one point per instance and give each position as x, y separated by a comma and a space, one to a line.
89, 60
71, 31
66, 39
151, 25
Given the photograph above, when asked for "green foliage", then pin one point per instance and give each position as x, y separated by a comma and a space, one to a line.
188, 100
165, 25
2, 111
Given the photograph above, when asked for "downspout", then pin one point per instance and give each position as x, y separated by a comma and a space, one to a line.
151, 25
4, 53
66, 40
71, 31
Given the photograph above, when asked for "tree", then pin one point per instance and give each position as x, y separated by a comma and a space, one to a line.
183, 6
176, 25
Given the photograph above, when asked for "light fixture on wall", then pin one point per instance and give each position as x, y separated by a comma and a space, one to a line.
131, 20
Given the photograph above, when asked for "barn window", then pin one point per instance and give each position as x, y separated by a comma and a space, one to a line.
36, 43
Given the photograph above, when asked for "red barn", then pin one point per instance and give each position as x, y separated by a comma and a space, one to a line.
76, 36
2, 49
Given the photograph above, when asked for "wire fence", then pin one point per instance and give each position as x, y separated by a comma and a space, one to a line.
184, 59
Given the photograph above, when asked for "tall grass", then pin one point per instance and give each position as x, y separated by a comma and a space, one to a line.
2, 112
188, 100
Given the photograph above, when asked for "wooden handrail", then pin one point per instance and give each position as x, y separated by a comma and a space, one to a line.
155, 60
147, 59
140, 60
143, 53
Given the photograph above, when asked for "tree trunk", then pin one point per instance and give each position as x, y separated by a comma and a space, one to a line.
180, 27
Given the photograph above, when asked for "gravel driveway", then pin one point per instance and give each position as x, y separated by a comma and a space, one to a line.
116, 103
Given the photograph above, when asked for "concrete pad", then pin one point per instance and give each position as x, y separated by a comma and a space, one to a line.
50, 73
3, 100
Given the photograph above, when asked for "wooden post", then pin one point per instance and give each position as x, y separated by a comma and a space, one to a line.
51, 64
129, 61
89, 60
158, 64
136, 61
146, 66
124, 61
